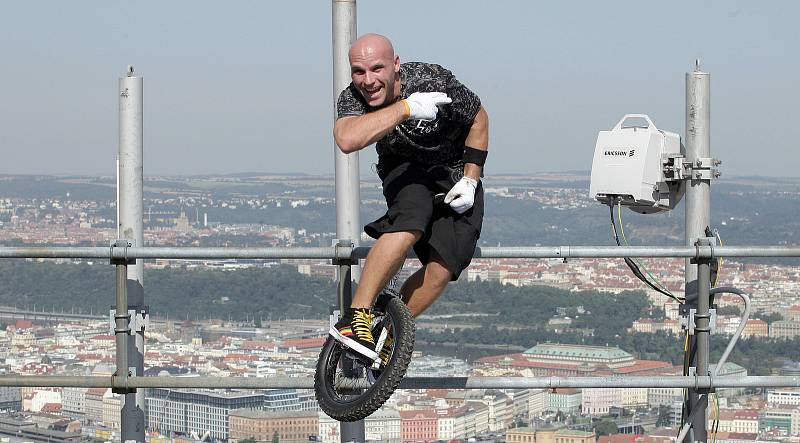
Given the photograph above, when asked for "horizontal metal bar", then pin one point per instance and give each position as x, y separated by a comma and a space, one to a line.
338, 252
756, 251
592, 252
597, 382
407, 383
173, 252
46, 381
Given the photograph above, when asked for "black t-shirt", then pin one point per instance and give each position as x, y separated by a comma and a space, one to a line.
435, 142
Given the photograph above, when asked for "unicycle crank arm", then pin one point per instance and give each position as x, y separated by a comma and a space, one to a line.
378, 347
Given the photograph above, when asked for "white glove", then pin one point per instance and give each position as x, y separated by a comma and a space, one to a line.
462, 196
424, 105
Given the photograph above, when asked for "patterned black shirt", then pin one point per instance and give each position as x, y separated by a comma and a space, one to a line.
435, 142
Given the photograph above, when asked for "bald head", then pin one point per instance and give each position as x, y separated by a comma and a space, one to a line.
371, 45
375, 69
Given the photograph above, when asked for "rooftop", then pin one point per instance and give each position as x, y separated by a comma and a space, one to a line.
257, 414
578, 351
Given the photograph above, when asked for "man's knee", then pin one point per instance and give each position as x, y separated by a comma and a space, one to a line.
414, 235
408, 237
438, 271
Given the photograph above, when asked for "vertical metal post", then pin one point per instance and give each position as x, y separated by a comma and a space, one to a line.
345, 287
122, 321
698, 145
698, 216
131, 228
702, 318
348, 200
348, 226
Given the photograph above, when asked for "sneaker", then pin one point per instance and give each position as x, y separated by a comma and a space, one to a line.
354, 330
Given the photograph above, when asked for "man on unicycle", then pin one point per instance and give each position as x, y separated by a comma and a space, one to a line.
432, 136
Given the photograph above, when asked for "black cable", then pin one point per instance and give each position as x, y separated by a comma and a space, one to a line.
632, 265
692, 344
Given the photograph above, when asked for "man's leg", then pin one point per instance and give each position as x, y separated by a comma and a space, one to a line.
354, 328
426, 285
383, 261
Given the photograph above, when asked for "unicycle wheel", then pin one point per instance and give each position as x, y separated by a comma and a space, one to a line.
350, 389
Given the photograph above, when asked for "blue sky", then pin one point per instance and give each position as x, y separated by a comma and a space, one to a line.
247, 86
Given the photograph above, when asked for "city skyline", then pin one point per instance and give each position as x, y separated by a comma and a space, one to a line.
41, 211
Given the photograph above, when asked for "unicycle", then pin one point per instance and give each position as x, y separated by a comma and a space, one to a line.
349, 388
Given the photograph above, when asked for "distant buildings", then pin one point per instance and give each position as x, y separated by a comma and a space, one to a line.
740, 421
196, 412
569, 360
755, 328
384, 425
521, 435
419, 425
290, 427
564, 400
548, 435
788, 329
784, 397
10, 398
416, 415
73, 401
426, 415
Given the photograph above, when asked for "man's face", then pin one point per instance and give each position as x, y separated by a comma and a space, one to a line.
374, 73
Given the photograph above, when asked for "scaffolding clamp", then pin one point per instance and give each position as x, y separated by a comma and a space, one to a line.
688, 321
339, 246
702, 243
711, 387
697, 387
702, 168
676, 167
138, 321
117, 379
124, 245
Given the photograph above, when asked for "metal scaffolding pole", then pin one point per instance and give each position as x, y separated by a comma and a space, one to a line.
347, 252
122, 321
616, 381
348, 200
698, 219
131, 229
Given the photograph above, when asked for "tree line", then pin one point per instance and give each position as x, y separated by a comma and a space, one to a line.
516, 315
174, 293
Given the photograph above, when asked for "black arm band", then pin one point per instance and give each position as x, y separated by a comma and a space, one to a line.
476, 156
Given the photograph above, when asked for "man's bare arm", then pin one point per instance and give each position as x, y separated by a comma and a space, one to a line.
477, 138
353, 133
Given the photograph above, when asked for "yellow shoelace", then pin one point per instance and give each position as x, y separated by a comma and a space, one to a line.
386, 351
362, 324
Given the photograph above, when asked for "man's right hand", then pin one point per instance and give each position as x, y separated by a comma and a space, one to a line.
424, 105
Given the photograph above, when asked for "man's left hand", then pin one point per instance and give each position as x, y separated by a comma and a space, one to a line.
462, 196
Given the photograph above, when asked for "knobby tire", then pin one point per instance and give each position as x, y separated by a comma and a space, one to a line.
354, 406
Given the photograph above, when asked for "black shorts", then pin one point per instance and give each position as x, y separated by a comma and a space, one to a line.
409, 189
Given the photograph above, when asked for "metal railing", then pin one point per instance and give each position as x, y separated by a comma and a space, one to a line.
136, 382
354, 253
123, 256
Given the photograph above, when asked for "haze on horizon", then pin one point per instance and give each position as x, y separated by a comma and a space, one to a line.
248, 86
